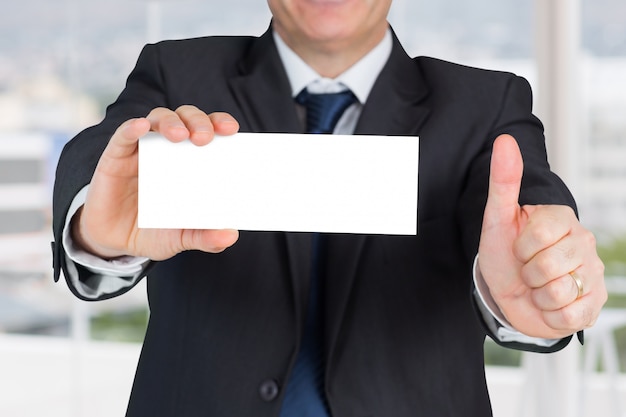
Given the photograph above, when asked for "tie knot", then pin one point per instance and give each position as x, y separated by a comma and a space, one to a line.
324, 110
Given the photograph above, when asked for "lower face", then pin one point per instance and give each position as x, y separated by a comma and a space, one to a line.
330, 24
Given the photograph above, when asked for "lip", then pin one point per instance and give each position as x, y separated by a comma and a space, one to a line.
323, 2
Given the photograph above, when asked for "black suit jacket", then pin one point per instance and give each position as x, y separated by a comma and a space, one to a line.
402, 335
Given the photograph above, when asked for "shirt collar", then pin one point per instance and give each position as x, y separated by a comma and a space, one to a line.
359, 78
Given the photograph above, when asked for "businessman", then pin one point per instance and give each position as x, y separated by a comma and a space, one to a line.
297, 324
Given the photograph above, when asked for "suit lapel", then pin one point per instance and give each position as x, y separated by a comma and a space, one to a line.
396, 105
263, 92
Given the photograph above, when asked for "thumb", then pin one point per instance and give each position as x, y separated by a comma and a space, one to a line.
505, 178
123, 143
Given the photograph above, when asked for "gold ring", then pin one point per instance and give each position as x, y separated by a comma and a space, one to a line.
578, 282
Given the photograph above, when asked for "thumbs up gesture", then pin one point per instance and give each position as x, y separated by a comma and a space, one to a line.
540, 264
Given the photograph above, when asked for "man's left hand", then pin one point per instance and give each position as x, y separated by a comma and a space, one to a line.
531, 256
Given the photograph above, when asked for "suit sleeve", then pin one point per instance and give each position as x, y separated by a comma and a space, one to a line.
78, 161
539, 184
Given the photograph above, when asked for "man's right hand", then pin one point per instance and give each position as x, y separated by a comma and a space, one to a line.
106, 225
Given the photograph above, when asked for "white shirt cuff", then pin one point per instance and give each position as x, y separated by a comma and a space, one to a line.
497, 323
110, 276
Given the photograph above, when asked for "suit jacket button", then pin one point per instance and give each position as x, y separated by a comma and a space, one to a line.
268, 390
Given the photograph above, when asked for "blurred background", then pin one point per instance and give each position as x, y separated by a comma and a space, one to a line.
62, 62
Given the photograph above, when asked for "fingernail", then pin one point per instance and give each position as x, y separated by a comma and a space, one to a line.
224, 119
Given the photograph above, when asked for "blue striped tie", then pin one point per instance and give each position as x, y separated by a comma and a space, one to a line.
304, 395
324, 110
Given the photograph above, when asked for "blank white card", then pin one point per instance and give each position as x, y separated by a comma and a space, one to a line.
281, 182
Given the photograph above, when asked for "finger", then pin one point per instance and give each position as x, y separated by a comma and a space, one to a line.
203, 127
224, 123
208, 240
573, 317
545, 227
119, 157
198, 124
556, 294
168, 123
124, 141
554, 243
505, 180
552, 262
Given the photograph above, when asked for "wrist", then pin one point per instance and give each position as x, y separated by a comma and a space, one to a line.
82, 240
